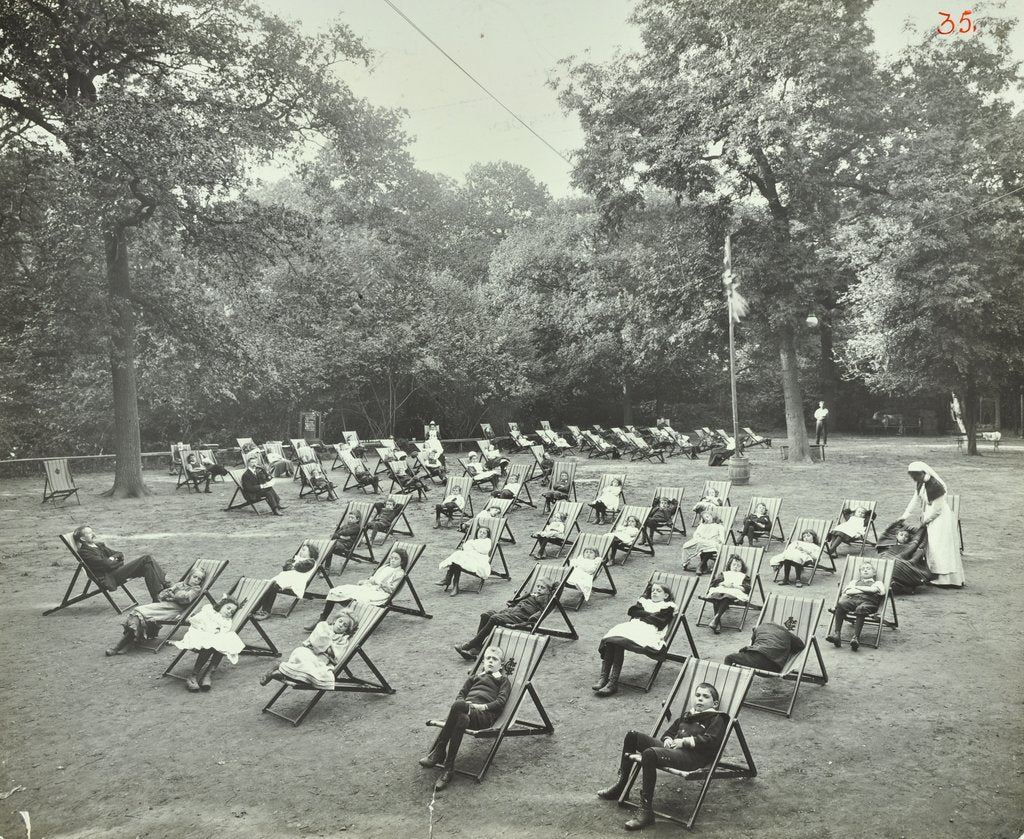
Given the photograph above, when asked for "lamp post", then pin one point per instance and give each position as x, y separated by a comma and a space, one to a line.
739, 466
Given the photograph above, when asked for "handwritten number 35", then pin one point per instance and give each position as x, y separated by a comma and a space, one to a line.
948, 26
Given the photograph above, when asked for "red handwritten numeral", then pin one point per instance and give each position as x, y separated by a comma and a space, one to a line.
966, 24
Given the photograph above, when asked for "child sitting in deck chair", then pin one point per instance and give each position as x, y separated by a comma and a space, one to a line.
649, 617
478, 704
434, 467
850, 530
584, 567
662, 514
608, 501
558, 492
796, 556
624, 535
547, 466
862, 598
474, 555
142, 622
493, 459
320, 482
756, 524
294, 577
363, 477
345, 535
709, 501
515, 612
386, 515
452, 503
210, 635
729, 587
511, 489
312, 662
907, 546
479, 473
375, 589
195, 473
553, 531
707, 538
691, 742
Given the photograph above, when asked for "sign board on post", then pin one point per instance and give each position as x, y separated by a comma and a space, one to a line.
311, 425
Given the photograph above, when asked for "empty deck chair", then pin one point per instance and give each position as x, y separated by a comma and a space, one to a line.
732, 684
677, 523
472, 564
772, 506
753, 439
179, 454
954, 506
556, 575
806, 612
883, 573
92, 585
570, 526
211, 570
850, 506
248, 592
345, 680
640, 543
752, 558
721, 490
589, 558
238, 500
804, 551
683, 588
604, 484
352, 549
526, 652
59, 483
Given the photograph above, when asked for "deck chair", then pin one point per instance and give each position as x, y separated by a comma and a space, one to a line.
883, 573
774, 505
682, 587
174, 466
538, 473
504, 507
851, 504
732, 684
404, 479
547, 439
59, 483
487, 430
518, 442
726, 517
207, 455
247, 447
274, 452
678, 523
476, 476
400, 524
807, 612
319, 571
566, 470
723, 488
572, 511
345, 680
752, 558
682, 443
248, 592
642, 450
641, 543
366, 510
179, 454
599, 447
92, 586
309, 473
414, 550
601, 543
604, 481
352, 464
703, 440
526, 651
495, 527
339, 450
753, 439
212, 569
580, 442
520, 474
820, 528
556, 574
622, 440
435, 474
954, 505
238, 500
465, 487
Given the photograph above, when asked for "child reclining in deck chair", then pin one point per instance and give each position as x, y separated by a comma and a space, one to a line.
770, 647
691, 742
433, 465
731, 586
547, 466
624, 535
195, 473
479, 703
907, 546
662, 514
862, 597
756, 524
608, 501
515, 612
375, 589
320, 482
709, 501
386, 515
797, 556
558, 492
294, 577
453, 503
363, 477
511, 489
312, 662
848, 531
645, 630
493, 459
345, 535
553, 532
474, 556
707, 538
584, 567
481, 474
210, 635
143, 622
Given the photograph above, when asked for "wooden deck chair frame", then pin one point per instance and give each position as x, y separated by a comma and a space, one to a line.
238, 500
820, 528
525, 472
604, 480
208, 454
573, 510
518, 442
392, 474
752, 557
528, 652
400, 526
851, 504
557, 575
807, 612
339, 449
212, 569
774, 505
547, 440
431, 473
466, 485
602, 544
883, 573
723, 487
683, 587
248, 592
642, 450
732, 684
566, 467
309, 488
325, 550
682, 442
414, 550
59, 483
580, 442
493, 480
495, 526
537, 467
622, 440
641, 543
345, 680
954, 506
599, 447
350, 462
678, 523
92, 586
754, 439
179, 453
366, 512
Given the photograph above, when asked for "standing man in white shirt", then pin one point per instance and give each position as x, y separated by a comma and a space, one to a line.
821, 424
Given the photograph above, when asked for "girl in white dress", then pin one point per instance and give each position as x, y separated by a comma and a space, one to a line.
644, 631
211, 634
474, 555
375, 589
708, 537
584, 568
733, 586
608, 501
313, 661
797, 555
928, 508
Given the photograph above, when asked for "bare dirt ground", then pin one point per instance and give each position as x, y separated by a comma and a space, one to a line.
921, 739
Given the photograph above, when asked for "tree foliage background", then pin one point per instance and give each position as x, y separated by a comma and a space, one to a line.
144, 270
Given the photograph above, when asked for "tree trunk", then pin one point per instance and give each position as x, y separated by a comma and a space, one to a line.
796, 431
627, 401
128, 481
969, 408
826, 365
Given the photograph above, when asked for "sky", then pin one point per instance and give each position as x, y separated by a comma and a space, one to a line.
513, 47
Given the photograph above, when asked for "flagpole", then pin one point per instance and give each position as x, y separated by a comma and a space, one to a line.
741, 473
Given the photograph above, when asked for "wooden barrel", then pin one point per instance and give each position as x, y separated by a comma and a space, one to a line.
739, 471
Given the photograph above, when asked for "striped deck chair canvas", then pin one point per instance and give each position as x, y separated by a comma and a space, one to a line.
345, 681
567, 513
556, 575
800, 615
525, 653
752, 559
883, 573
678, 522
59, 483
820, 528
589, 558
773, 505
497, 508
211, 570
352, 552
732, 684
